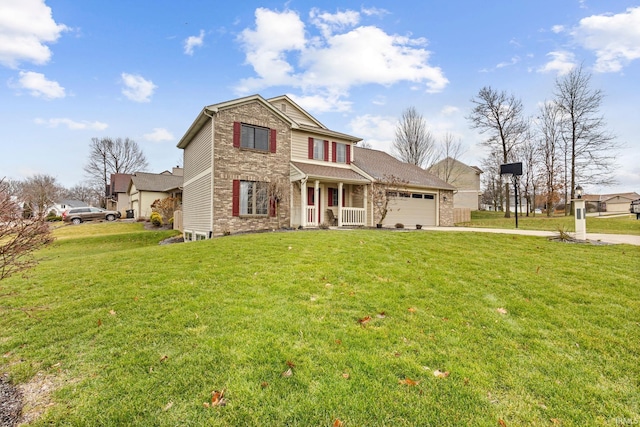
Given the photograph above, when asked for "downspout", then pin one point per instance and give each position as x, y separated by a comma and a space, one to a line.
213, 130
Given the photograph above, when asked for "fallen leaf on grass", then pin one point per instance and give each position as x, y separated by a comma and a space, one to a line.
502, 423
364, 320
167, 406
555, 421
217, 398
381, 315
412, 310
338, 342
287, 373
338, 423
99, 322
112, 312
290, 364
345, 375
408, 381
440, 374
163, 358
264, 384
501, 310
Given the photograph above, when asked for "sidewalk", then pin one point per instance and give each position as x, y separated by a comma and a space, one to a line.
594, 237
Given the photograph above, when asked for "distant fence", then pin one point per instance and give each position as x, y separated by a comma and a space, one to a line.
177, 220
461, 215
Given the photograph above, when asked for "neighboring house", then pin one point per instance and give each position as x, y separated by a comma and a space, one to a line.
237, 152
117, 194
146, 188
610, 203
63, 205
465, 178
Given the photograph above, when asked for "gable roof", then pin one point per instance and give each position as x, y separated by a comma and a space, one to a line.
206, 112
329, 172
451, 160
299, 108
156, 182
380, 165
120, 182
606, 197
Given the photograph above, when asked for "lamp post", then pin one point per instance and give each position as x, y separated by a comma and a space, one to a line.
580, 215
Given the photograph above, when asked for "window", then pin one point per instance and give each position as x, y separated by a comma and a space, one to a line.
341, 153
253, 198
188, 236
318, 149
429, 196
254, 137
416, 196
201, 236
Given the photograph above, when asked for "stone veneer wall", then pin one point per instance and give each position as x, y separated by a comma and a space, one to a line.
446, 208
231, 163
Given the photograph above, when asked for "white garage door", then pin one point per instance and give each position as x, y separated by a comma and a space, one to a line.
411, 209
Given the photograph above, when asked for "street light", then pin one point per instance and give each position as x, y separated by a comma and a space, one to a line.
579, 192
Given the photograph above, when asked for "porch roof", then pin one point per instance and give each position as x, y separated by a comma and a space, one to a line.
330, 173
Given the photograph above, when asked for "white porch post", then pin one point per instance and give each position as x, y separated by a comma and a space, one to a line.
303, 202
316, 202
366, 190
340, 186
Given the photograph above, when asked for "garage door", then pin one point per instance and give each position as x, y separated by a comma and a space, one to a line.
411, 209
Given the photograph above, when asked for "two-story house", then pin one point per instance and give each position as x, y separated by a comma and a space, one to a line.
256, 164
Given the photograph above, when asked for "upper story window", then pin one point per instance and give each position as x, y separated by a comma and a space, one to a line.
341, 153
254, 137
318, 149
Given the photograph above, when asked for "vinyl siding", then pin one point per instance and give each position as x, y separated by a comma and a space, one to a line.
197, 155
293, 112
300, 146
196, 201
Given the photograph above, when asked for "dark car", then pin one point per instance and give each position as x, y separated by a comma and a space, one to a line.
78, 215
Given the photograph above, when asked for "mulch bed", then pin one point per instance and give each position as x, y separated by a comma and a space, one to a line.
10, 403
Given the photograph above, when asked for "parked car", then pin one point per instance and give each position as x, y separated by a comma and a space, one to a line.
78, 215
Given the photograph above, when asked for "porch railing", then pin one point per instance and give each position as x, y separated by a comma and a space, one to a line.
353, 216
312, 216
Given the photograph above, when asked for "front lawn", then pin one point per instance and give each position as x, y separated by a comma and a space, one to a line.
609, 225
318, 328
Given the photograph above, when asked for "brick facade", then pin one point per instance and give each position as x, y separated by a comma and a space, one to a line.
233, 163
446, 208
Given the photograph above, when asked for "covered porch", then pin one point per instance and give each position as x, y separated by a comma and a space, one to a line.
327, 195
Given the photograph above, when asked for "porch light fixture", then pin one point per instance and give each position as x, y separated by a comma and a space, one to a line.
579, 192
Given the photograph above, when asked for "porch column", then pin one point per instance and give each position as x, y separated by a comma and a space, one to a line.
316, 202
366, 190
340, 186
303, 202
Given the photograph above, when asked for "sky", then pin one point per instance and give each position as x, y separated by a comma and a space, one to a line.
74, 70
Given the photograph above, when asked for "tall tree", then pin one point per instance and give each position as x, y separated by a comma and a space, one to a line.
550, 146
84, 193
501, 117
413, 142
591, 149
107, 156
40, 192
449, 151
19, 237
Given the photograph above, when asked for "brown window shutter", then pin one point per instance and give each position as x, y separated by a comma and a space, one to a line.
326, 151
272, 143
236, 134
333, 151
348, 154
235, 198
310, 148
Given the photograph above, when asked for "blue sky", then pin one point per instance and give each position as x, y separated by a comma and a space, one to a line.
72, 70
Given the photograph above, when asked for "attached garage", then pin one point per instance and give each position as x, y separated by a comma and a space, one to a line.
410, 209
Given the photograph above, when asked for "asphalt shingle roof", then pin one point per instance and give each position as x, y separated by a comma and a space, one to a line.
156, 182
330, 172
381, 166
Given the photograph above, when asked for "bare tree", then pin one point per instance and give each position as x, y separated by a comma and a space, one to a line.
591, 150
530, 154
492, 181
365, 144
19, 237
84, 193
550, 145
40, 192
448, 154
279, 193
107, 156
501, 117
413, 142
381, 193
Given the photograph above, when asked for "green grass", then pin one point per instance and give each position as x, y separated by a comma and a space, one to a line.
140, 334
608, 225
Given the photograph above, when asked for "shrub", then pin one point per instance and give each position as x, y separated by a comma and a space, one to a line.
156, 219
399, 225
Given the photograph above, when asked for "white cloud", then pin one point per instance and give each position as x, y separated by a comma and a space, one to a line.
26, 26
159, 135
615, 39
137, 88
192, 42
322, 103
513, 61
448, 110
562, 62
557, 29
72, 124
39, 86
282, 51
379, 131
